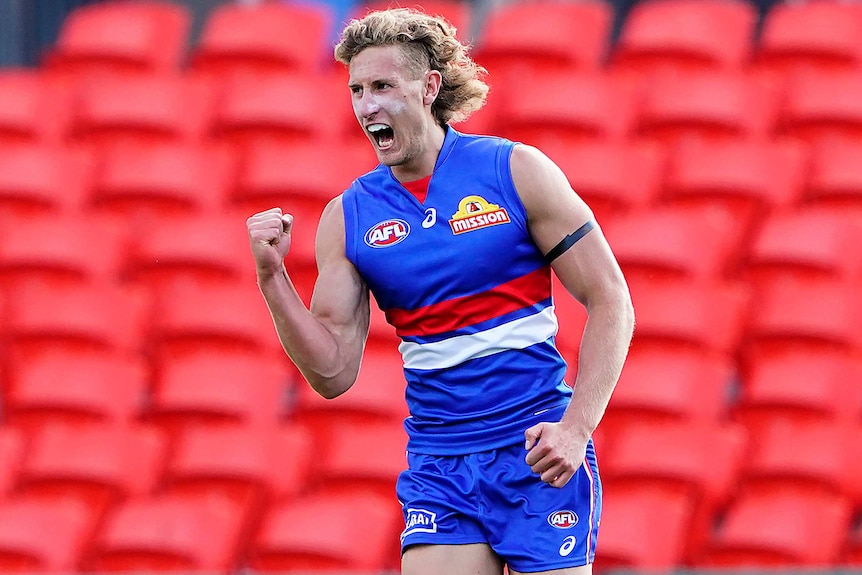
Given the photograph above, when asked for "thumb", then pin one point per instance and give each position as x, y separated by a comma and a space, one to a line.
286, 223
532, 435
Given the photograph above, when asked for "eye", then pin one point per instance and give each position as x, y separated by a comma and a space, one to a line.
355, 89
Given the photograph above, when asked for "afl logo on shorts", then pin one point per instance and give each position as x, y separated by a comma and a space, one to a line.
563, 519
387, 233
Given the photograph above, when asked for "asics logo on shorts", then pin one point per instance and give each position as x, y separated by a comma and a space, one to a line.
568, 545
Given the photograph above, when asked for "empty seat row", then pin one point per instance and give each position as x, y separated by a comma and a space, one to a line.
154, 36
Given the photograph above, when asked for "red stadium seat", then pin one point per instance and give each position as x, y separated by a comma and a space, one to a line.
218, 387
779, 529
141, 109
796, 311
196, 316
543, 37
38, 536
685, 35
813, 457
812, 242
346, 463
835, 179
96, 465
264, 38
204, 248
253, 465
709, 317
456, 13
43, 178
98, 316
351, 532
34, 108
818, 35
819, 104
377, 395
747, 178
675, 242
74, 387
612, 177
567, 106
710, 105
121, 37
291, 107
25, 259
799, 385
663, 385
669, 457
138, 183
628, 537
167, 533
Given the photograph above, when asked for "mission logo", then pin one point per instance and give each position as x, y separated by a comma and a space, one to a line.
387, 233
475, 213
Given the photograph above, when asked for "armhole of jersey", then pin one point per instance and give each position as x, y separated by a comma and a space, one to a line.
507, 185
349, 208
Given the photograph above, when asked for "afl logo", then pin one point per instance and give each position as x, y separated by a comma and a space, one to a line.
563, 519
387, 233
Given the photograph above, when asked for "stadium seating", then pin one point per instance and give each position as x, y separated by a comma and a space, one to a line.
525, 37
614, 178
211, 386
34, 108
777, 529
351, 532
834, 178
708, 104
568, 106
140, 109
268, 37
107, 388
39, 178
819, 104
43, 536
167, 533
121, 37
810, 35
151, 420
799, 384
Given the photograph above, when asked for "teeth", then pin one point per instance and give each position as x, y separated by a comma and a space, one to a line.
377, 127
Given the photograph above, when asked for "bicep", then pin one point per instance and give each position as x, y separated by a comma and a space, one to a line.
588, 268
340, 300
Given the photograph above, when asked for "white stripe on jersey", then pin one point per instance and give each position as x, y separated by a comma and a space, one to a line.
517, 334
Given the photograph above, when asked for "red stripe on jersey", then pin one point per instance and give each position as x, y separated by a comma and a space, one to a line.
472, 309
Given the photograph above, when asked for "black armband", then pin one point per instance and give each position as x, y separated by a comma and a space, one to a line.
568, 241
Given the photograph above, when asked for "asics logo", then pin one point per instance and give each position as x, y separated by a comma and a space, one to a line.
430, 218
567, 546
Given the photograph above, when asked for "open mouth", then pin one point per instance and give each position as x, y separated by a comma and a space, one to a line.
382, 134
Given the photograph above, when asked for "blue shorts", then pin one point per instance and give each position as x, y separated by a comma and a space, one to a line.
494, 497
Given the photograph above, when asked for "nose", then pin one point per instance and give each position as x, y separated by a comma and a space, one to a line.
367, 105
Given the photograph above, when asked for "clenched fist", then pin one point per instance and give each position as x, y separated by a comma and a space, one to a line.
269, 235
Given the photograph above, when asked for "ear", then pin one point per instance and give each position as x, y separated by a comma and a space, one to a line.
433, 82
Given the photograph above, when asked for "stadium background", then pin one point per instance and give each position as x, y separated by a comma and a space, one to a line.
149, 419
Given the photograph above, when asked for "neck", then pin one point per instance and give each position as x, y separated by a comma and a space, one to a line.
423, 164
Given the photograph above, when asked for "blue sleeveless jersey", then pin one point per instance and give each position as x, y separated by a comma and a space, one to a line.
468, 293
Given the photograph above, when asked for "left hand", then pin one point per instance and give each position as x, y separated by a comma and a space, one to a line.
559, 454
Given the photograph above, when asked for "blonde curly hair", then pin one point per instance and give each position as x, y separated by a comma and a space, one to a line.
427, 42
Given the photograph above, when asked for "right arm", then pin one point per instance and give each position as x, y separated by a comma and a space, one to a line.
326, 341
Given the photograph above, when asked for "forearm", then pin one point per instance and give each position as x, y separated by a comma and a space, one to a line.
604, 346
309, 343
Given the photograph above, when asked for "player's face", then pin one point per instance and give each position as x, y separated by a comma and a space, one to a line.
391, 104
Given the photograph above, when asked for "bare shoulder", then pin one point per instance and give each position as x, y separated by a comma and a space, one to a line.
330, 230
544, 189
